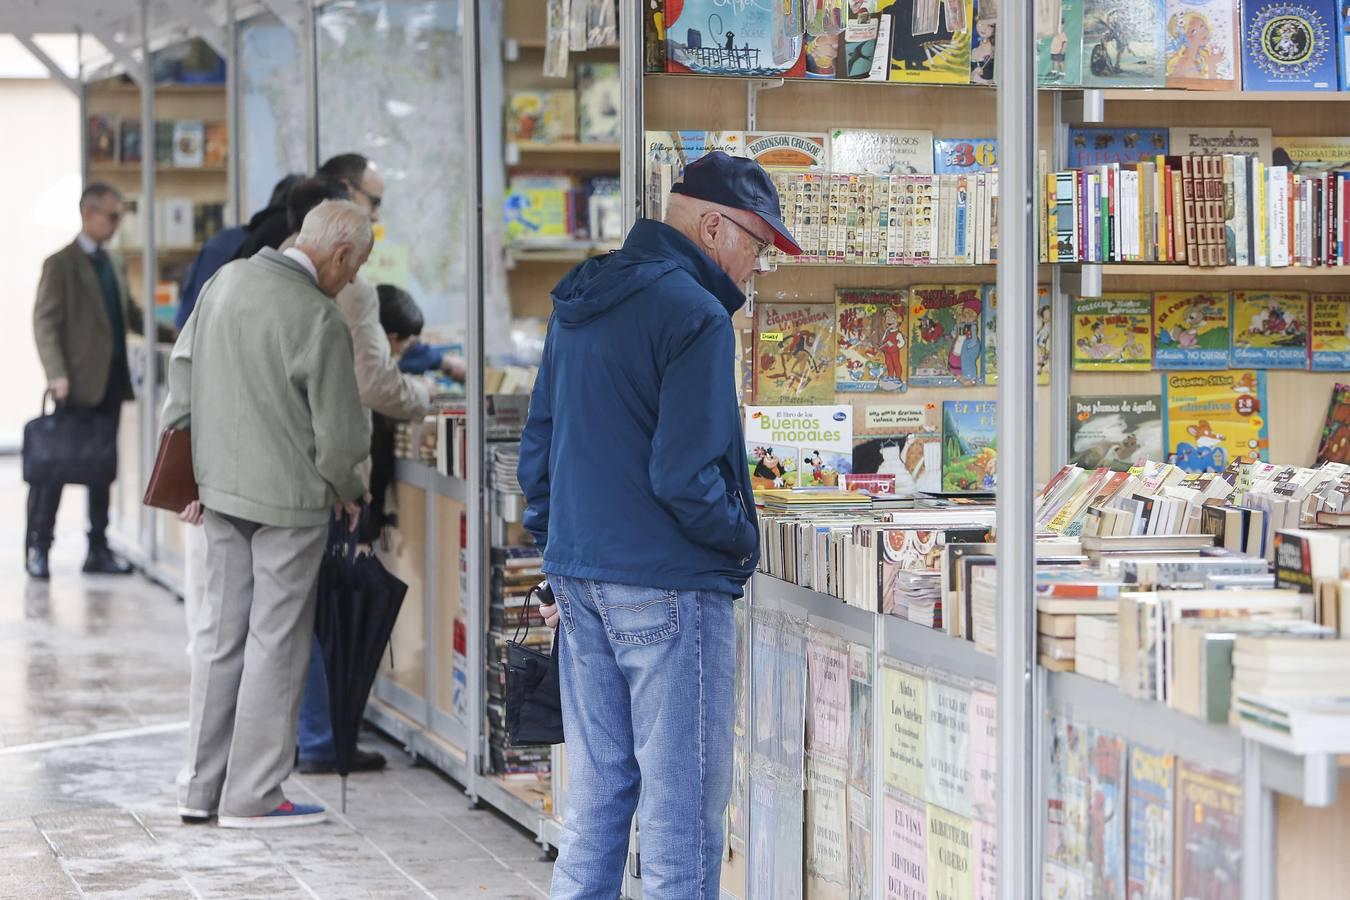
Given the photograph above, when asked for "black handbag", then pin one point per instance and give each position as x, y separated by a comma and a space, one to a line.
533, 693
70, 446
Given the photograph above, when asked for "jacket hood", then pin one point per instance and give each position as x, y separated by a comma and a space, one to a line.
651, 251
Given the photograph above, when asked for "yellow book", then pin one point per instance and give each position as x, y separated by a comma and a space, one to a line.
1052, 218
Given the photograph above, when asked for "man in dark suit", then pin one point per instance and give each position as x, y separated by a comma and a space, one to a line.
80, 323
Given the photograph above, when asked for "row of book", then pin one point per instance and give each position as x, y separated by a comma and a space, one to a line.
511, 616
180, 223
1185, 44
589, 113
543, 209
184, 143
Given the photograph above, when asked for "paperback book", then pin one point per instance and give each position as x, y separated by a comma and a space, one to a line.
872, 328
983, 46
1190, 331
913, 460
798, 446
1115, 431
1270, 330
1202, 44
1123, 43
1289, 45
950, 854
905, 695
1106, 817
969, 446
930, 41
788, 150
906, 846
1152, 795
794, 353
707, 37
1216, 418
1334, 446
1113, 333
948, 766
946, 346
1330, 350
1059, 42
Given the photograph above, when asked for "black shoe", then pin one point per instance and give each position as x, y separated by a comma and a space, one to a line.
37, 566
364, 761
102, 561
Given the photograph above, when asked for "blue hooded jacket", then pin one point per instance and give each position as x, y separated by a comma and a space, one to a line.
633, 459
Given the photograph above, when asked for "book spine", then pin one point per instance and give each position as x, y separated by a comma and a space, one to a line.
1050, 218
1240, 225
1189, 215
1229, 176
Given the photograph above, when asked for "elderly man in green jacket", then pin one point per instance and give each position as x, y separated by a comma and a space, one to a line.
263, 376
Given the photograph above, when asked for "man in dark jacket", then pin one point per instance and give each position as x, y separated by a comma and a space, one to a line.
633, 467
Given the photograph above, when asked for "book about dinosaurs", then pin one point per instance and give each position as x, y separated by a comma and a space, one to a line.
1190, 330
946, 327
871, 332
794, 353
1115, 430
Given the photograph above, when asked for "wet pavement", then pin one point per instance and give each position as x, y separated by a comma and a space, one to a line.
93, 710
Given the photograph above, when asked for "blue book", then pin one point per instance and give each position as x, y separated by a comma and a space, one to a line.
963, 156
1343, 45
1101, 146
1289, 45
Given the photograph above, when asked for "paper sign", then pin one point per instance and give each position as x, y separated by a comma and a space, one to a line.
901, 418
906, 696
905, 849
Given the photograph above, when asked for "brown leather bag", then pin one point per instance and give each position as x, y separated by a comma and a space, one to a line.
172, 484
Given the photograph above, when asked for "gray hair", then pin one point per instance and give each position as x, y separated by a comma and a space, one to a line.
336, 222
96, 191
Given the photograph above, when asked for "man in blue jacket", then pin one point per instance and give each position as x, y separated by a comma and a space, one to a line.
633, 467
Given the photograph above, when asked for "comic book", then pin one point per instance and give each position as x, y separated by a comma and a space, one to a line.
788, 150
1190, 330
1044, 334
946, 325
1094, 146
989, 296
872, 328
1289, 45
1059, 42
1215, 418
982, 44
969, 446
1115, 430
1330, 332
1106, 814
1270, 330
864, 151
798, 446
948, 771
1113, 333
930, 40
794, 353
709, 37
1335, 443
1209, 834
1152, 795
1202, 44
1123, 43
824, 37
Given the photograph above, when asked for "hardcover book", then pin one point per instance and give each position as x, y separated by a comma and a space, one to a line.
1335, 443
962, 156
598, 102
1123, 43
1330, 332
1190, 331
1186, 141
1152, 794
930, 40
1116, 431
1270, 329
1311, 155
129, 141
1343, 45
1202, 44
1106, 818
788, 150
1092, 146
946, 346
1289, 45
1059, 42
794, 353
872, 326
824, 23
708, 37
969, 446
858, 151
914, 460
1113, 333
1209, 833
189, 142
1215, 418
798, 446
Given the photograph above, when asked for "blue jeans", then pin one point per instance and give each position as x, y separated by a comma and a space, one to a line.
316, 725
648, 693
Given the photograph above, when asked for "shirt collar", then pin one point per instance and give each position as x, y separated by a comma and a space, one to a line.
87, 244
303, 259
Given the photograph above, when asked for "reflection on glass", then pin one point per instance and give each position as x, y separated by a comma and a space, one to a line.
272, 108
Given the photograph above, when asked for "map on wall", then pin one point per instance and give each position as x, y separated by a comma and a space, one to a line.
272, 109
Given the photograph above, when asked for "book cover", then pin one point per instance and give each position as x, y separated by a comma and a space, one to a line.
904, 708
189, 138
1335, 443
984, 841
539, 208
930, 40
1044, 334
1209, 834
982, 42
1066, 796
598, 102
969, 446
1289, 45
1113, 333
164, 143
217, 146
1117, 431
1190, 330
1123, 43
795, 352
858, 151
791, 706
1093, 146
128, 142
708, 37
1202, 44
1343, 45
963, 156
1215, 418
824, 24
1330, 332
525, 117
1152, 795
906, 846
1270, 330
989, 296
946, 344
788, 150
984, 754
1059, 43
914, 460
860, 717
862, 34
948, 774
798, 446
762, 855
1106, 814
1311, 155
872, 328
951, 866
1188, 141
102, 139
1060, 882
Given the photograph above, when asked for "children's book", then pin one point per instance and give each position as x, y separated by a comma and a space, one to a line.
858, 151
1209, 833
668, 152
982, 42
969, 446
824, 24
1091, 146
1113, 333
1059, 43
794, 353
963, 156
788, 150
1289, 45
598, 102
1044, 334
1215, 418
914, 460
1270, 329
1311, 155
946, 343
1152, 795
1330, 332
1123, 43
862, 35
1106, 817
930, 40
1190, 331
539, 208
872, 334
989, 294
1115, 431
1202, 44
1335, 443
709, 37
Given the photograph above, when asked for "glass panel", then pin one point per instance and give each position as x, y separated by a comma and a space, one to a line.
272, 109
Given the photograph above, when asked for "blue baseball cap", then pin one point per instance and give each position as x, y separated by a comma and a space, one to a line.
741, 184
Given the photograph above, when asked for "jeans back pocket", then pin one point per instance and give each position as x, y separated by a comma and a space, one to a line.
638, 615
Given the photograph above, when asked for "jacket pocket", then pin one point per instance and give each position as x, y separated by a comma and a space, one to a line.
637, 615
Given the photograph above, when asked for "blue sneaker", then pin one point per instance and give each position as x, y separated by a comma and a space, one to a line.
284, 816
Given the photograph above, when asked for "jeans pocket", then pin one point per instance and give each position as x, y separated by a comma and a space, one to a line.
560, 594
637, 615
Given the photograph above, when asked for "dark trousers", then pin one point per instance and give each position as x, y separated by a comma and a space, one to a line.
45, 499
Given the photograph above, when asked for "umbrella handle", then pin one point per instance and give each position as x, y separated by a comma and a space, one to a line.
545, 595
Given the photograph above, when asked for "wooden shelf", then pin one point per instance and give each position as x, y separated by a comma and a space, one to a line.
1145, 270
1148, 95
560, 253
986, 89
162, 89
135, 168
541, 44
526, 148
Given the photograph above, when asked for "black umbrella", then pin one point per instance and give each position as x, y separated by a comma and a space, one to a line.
358, 602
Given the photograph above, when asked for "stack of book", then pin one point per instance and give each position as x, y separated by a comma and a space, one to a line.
511, 616
1097, 648
1065, 596
1293, 691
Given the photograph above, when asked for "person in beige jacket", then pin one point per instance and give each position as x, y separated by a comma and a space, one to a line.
263, 377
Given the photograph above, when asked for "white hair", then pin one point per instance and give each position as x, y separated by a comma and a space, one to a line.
333, 223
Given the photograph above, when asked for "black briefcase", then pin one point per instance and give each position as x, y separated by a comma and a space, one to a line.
70, 446
533, 692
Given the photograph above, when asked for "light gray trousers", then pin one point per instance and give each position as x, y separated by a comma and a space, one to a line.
250, 647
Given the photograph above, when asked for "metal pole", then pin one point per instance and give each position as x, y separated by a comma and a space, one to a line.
1017, 268
632, 181
309, 62
233, 77
149, 414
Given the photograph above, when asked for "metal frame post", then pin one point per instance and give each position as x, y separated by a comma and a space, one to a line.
309, 64
631, 111
1017, 269
1060, 330
235, 185
149, 415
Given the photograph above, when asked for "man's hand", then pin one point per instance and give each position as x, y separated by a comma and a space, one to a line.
551, 614
192, 513
349, 508
60, 388
453, 365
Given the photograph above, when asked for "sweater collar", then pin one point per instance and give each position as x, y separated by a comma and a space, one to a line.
651, 238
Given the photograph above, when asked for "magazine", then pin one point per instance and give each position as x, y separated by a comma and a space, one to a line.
1209, 834
1151, 799
1106, 814
946, 327
872, 329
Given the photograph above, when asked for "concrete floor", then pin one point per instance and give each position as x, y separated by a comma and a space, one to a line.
93, 708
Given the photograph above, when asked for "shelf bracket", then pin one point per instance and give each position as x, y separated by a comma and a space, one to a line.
200, 22
66, 81
752, 89
119, 51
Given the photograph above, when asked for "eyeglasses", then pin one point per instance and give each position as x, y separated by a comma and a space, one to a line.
374, 200
114, 216
761, 246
